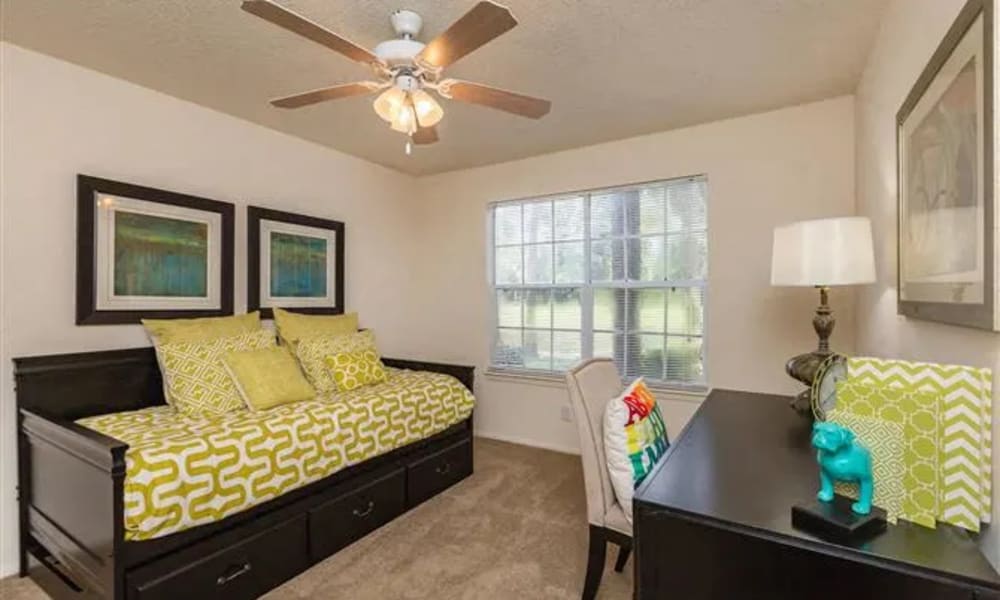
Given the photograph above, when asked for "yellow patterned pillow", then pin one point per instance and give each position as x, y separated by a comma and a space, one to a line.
169, 331
352, 370
267, 378
196, 377
292, 327
312, 353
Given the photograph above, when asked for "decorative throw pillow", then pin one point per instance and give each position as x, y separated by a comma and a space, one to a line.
169, 331
352, 370
918, 413
635, 437
267, 378
312, 353
196, 376
292, 327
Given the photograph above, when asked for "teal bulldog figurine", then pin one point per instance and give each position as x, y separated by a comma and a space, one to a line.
841, 458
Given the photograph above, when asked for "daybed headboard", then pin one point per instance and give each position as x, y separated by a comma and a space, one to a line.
73, 386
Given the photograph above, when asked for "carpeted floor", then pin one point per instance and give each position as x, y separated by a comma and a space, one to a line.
516, 529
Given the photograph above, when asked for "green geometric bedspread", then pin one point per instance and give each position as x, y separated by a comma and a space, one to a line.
182, 472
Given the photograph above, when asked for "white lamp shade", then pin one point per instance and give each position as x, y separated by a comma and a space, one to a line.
824, 252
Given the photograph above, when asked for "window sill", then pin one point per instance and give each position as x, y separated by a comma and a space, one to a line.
692, 393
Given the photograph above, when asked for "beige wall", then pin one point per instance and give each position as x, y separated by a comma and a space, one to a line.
59, 120
763, 170
910, 32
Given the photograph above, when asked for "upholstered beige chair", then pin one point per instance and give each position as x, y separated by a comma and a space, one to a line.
591, 384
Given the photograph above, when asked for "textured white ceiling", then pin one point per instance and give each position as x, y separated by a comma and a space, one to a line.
612, 68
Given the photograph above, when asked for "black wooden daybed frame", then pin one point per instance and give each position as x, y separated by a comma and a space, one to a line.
71, 497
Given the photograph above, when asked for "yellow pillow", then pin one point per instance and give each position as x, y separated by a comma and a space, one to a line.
352, 370
292, 327
169, 331
267, 378
196, 376
312, 353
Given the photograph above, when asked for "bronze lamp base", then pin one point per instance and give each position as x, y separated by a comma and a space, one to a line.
804, 366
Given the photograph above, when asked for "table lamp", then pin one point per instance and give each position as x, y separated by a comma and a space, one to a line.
821, 253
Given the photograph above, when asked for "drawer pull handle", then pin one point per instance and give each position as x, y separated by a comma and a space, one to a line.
443, 469
367, 511
224, 579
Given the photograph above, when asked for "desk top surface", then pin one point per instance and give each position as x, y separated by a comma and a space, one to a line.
744, 460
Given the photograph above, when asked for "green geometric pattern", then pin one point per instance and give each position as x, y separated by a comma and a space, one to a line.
885, 439
181, 472
917, 413
966, 410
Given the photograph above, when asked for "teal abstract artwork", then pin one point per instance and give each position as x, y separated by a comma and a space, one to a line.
159, 256
298, 266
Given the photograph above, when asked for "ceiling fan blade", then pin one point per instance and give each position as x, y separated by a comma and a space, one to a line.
346, 90
286, 19
476, 93
425, 135
486, 21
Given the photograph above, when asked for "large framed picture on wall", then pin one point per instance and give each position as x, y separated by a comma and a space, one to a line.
945, 145
295, 262
149, 253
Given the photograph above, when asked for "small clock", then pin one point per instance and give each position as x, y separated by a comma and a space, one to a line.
823, 394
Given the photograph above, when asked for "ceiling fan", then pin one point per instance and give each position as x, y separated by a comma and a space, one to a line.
406, 68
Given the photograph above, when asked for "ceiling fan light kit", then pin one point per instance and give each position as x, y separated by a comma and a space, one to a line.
406, 68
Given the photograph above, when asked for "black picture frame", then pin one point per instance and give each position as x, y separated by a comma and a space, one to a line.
87, 312
978, 315
255, 214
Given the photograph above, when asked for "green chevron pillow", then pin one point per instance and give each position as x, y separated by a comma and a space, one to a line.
917, 413
965, 489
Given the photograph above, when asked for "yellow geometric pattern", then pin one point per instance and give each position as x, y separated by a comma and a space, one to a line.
918, 414
183, 472
312, 353
965, 489
885, 440
352, 370
197, 379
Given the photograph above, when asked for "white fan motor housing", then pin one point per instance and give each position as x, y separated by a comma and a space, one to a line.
406, 23
398, 52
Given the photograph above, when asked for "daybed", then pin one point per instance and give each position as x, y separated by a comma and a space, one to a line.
103, 515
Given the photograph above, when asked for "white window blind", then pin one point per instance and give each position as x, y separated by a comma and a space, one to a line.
615, 272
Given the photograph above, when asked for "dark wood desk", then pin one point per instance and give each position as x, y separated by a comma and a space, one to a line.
714, 521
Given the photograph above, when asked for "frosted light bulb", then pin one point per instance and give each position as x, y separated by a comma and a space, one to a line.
409, 147
429, 112
405, 121
389, 102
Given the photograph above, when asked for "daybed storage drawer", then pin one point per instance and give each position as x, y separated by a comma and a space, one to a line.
427, 476
344, 519
246, 569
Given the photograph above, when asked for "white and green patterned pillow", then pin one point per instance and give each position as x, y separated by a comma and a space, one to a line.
965, 489
196, 377
312, 353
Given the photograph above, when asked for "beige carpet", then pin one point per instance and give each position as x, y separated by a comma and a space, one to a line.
516, 529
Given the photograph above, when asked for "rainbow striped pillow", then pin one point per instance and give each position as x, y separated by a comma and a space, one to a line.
635, 437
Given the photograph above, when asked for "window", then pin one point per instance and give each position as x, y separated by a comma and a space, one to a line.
615, 272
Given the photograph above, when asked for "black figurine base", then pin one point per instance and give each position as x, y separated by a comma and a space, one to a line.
836, 521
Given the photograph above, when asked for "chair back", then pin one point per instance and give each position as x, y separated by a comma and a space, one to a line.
591, 384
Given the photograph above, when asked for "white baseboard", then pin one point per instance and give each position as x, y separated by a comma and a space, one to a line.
526, 442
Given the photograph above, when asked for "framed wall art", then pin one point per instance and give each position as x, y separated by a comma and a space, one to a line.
149, 253
294, 262
945, 148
